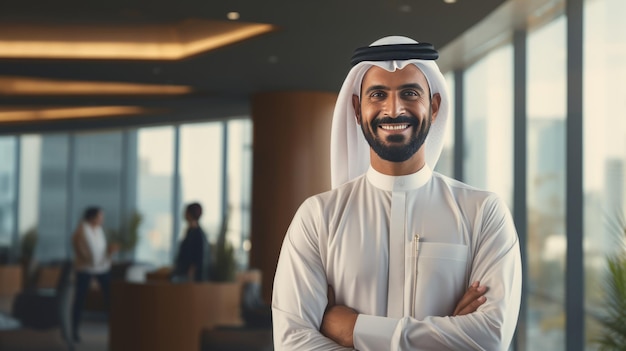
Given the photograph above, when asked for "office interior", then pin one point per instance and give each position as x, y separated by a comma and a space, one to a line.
143, 109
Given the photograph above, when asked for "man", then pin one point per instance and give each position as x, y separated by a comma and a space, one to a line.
384, 260
92, 259
192, 261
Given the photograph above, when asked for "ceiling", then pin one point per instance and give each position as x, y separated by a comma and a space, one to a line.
309, 50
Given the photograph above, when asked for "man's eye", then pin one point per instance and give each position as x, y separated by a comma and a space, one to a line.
377, 94
410, 93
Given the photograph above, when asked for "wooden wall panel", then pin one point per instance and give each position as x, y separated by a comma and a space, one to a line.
291, 162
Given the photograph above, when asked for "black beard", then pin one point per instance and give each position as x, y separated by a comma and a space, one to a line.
394, 149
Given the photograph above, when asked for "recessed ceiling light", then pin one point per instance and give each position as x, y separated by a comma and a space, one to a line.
233, 15
28, 86
123, 42
449, 1
52, 113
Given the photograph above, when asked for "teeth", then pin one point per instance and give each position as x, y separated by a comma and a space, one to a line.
394, 126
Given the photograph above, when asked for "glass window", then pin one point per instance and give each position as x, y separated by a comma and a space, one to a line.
604, 149
201, 149
98, 167
155, 172
488, 106
54, 227
546, 108
239, 161
120, 171
30, 175
445, 165
7, 196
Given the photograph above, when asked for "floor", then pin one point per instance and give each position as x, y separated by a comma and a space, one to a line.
94, 333
94, 337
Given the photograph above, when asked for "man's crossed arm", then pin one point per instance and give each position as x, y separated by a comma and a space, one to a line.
339, 320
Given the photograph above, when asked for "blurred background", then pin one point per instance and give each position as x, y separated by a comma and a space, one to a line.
142, 108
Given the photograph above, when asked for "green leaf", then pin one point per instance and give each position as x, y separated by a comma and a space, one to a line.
614, 320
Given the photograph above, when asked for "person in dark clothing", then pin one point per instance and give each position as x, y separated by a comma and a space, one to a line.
192, 261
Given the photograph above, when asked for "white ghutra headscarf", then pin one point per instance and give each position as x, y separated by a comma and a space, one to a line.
349, 151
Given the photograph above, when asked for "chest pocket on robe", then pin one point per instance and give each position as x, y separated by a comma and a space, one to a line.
441, 278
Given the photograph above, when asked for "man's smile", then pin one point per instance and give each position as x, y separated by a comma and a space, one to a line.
394, 127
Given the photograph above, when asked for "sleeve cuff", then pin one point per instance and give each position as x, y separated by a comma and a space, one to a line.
373, 332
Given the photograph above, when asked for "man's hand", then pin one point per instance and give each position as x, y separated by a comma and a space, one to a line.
338, 322
471, 300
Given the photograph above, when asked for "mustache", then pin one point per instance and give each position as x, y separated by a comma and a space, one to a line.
403, 119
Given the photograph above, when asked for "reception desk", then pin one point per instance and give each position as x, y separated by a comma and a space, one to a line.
164, 316
10, 285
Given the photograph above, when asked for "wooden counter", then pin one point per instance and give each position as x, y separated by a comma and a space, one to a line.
163, 316
11, 282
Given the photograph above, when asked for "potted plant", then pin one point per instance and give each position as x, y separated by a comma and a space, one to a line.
27, 255
127, 238
613, 335
225, 265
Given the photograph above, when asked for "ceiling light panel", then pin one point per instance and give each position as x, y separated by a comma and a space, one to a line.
123, 42
55, 113
27, 86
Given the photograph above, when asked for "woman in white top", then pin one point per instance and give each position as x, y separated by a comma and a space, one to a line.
92, 259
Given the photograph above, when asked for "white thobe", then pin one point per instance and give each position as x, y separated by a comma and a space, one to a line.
401, 251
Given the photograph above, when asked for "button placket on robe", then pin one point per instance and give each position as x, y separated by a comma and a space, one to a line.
395, 288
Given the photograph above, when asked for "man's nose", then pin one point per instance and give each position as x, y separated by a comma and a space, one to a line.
396, 107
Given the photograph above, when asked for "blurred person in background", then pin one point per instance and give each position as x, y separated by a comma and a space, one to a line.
92, 259
193, 258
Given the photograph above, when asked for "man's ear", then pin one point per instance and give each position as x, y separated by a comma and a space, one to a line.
357, 108
434, 106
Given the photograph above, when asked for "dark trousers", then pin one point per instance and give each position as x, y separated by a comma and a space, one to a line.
82, 283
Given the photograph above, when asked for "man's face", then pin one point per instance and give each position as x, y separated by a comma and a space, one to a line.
99, 218
395, 111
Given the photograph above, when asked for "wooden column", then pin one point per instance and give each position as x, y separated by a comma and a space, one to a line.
291, 162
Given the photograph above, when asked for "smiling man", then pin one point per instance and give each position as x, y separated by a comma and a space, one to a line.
395, 113
396, 256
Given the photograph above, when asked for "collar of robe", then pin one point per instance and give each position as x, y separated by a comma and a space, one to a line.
399, 183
